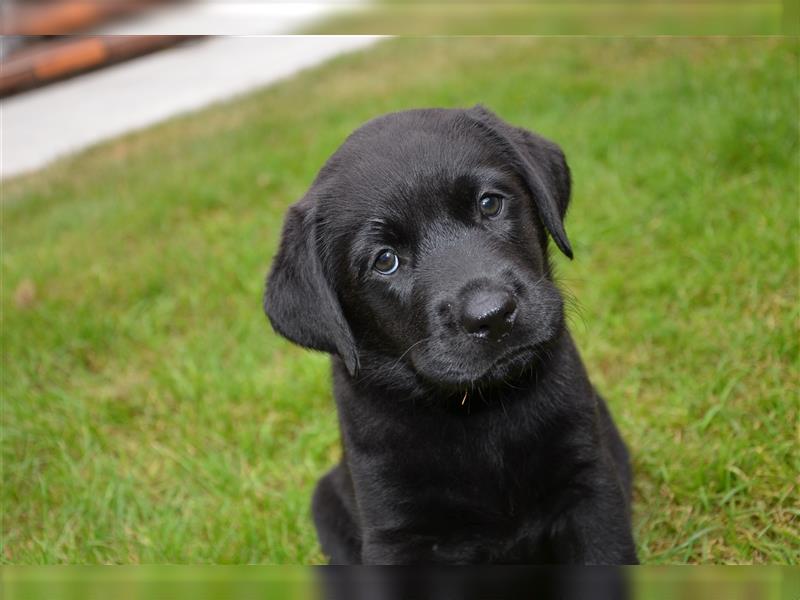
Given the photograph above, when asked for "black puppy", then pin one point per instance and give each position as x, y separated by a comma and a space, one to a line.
470, 430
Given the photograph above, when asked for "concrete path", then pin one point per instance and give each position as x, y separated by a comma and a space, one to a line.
230, 17
39, 126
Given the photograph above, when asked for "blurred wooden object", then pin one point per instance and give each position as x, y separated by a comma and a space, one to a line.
55, 60
59, 17
40, 44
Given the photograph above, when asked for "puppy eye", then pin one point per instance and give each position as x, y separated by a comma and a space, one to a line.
490, 205
387, 262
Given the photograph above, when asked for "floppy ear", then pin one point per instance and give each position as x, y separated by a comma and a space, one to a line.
544, 168
299, 301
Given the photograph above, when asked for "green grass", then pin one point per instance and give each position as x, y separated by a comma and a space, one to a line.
627, 17
150, 414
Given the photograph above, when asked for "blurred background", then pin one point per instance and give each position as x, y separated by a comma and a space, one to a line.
179, 65
149, 153
138, 63
37, 48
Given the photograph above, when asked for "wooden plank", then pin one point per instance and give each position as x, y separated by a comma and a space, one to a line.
56, 60
59, 17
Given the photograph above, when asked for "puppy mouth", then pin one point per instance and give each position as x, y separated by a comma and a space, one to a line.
516, 357
511, 361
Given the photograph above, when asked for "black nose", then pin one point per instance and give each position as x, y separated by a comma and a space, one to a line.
489, 313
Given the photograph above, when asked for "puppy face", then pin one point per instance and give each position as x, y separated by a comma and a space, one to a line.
420, 253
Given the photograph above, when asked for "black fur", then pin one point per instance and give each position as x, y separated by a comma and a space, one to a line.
460, 445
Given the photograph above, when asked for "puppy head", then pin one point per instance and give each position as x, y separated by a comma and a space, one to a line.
419, 255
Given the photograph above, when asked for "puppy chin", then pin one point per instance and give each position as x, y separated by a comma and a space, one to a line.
459, 372
450, 364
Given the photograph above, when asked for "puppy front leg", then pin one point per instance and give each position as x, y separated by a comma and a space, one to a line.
595, 531
337, 530
391, 552
373, 553
400, 547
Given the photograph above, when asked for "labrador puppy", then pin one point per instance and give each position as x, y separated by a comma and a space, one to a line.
470, 431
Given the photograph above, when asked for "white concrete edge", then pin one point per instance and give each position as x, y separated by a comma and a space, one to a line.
44, 125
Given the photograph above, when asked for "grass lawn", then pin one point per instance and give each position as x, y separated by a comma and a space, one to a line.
150, 415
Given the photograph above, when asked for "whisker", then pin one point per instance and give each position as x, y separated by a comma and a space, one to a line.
369, 376
425, 339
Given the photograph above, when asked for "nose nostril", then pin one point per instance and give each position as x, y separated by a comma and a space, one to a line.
489, 314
